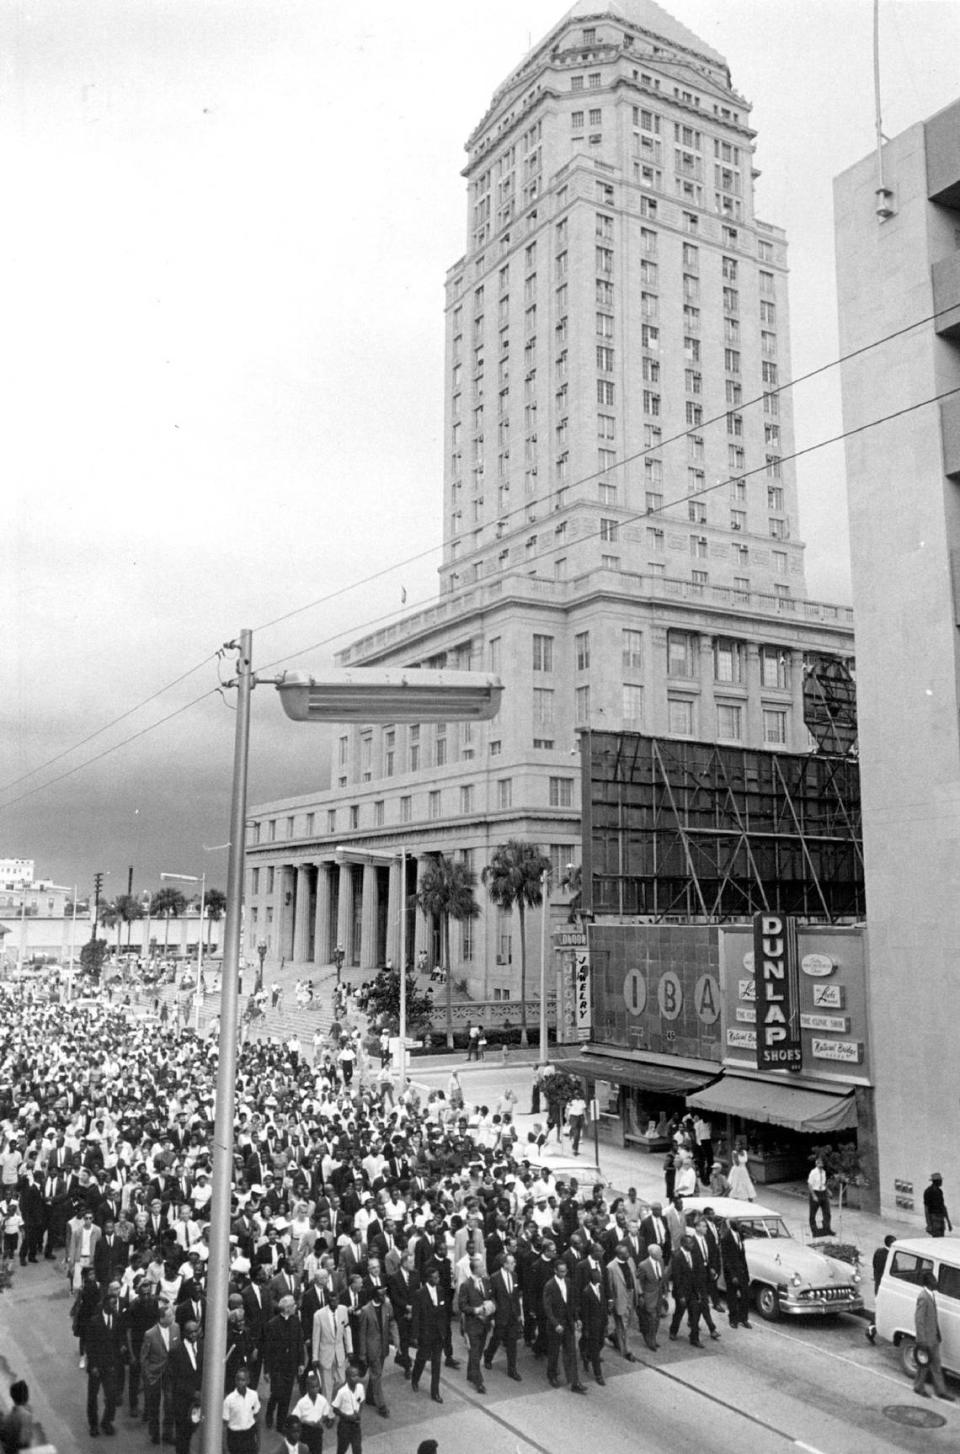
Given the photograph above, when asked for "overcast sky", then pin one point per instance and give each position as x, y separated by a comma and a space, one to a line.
226, 227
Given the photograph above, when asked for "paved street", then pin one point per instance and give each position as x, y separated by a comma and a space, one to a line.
814, 1385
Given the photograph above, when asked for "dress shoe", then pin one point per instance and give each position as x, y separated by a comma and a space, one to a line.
601, 1380
451, 1363
695, 1343
107, 1429
515, 1376
554, 1383
436, 1398
480, 1387
577, 1388
384, 1412
746, 1323
487, 1364
922, 1392
415, 1385
629, 1357
714, 1334
674, 1337
947, 1397
94, 1433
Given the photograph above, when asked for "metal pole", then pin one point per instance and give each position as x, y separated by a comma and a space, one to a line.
218, 1275
198, 997
73, 931
402, 1048
544, 913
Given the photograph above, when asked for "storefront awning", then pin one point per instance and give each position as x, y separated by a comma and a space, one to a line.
667, 1079
780, 1105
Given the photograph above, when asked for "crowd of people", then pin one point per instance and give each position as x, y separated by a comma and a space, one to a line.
375, 1236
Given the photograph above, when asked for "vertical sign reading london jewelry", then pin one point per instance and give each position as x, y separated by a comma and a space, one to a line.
778, 993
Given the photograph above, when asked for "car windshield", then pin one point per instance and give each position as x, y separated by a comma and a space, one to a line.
762, 1227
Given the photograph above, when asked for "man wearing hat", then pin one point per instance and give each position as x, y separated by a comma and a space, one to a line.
935, 1208
377, 1332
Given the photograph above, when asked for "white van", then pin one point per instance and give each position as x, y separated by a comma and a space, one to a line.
899, 1288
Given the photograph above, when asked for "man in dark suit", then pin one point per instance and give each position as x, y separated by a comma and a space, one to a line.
559, 1317
540, 1275
471, 1296
592, 1314
653, 1229
109, 1255
430, 1331
186, 1376
158, 1343
507, 1317
706, 1269
283, 1359
402, 1287
104, 1344
736, 1276
441, 1260
258, 1309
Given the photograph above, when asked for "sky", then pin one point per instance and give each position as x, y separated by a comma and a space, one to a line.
226, 229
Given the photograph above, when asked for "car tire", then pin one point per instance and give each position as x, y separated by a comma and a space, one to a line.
908, 1356
768, 1302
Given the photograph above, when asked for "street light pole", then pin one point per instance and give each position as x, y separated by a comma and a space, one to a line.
544, 915
402, 956
218, 1278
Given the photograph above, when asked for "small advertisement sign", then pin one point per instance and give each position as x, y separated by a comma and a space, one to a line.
777, 993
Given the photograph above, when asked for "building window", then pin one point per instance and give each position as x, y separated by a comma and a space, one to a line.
632, 703
433, 805
466, 939
561, 792
581, 643
729, 722
342, 746
607, 493
728, 660
632, 653
582, 705
609, 562
331, 820
680, 716
780, 562
698, 547
543, 653
389, 751
271, 879
290, 832
543, 706
309, 825
354, 815
681, 654
609, 529
774, 727
466, 798
505, 792
774, 667
378, 814
255, 881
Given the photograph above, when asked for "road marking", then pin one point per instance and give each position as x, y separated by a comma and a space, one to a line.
810, 1448
477, 1403
837, 1357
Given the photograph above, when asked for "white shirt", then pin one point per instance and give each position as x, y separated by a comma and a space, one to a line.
312, 1411
348, 1401
240, 1410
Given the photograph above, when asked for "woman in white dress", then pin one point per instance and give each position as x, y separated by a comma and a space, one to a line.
741, 1186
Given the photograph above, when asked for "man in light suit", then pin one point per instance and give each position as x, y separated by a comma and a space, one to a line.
82, 1246
377, 1333
622, 1291
927, 1327
330, 1340
507, 1318
158, 1343
651, 1287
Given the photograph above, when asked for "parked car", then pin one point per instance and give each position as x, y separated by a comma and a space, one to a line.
563, 1166
898, 1291
787, 1277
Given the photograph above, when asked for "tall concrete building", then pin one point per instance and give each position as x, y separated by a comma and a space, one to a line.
620, 533
898, 274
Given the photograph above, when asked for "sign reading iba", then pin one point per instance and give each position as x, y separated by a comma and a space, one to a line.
777, 992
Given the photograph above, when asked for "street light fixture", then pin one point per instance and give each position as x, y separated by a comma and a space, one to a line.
358, 695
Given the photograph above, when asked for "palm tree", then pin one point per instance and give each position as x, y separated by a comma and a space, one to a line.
445, 893
512, 879
110, 916
170, 904
215, 903
128, 909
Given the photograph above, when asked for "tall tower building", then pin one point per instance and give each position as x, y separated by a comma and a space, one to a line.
620, 537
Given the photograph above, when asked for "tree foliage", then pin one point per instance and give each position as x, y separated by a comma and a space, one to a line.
92, 955
214, 908
512, 878
447, 892
384, 1000
573, 882
558, 1090
167, 903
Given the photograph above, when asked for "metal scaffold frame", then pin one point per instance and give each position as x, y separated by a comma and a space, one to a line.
696, 832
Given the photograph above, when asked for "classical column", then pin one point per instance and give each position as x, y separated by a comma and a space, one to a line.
321, 923
393, 915
368, 918
345, 913
421, 933
301, 914
288, 884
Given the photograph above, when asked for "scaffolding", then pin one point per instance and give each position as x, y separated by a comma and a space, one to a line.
691, 832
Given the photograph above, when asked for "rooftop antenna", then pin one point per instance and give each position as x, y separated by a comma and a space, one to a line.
884, 193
